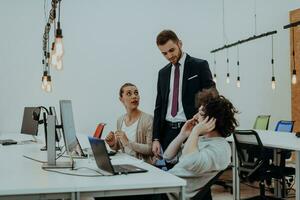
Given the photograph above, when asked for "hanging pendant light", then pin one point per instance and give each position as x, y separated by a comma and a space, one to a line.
59, 47
294, 75
44, 80
238, 79
54, 57
273, 84
215, 66
227, 75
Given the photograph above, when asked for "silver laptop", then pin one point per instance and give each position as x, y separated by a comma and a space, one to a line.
103, 161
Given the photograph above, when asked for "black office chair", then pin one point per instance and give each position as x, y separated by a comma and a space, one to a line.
205, 192
286, 172
259, 170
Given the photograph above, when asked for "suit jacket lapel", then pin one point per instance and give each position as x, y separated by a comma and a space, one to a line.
186, 72
167, 79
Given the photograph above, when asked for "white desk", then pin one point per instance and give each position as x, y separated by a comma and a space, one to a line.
278, 140
24, 179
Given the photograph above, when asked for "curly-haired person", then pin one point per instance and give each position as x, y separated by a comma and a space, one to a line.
200, 149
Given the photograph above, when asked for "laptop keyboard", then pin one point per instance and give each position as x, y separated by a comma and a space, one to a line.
123, 168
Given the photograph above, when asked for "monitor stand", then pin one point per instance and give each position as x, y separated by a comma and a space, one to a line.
51, 153
44, 121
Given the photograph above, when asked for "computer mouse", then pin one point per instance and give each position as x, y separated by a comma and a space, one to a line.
9, 143
297, 134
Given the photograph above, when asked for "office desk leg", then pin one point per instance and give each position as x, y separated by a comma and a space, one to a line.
297, 176
181, 193
235, 174
277, 187
75, 196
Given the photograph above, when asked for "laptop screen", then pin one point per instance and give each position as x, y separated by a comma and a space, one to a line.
100, 154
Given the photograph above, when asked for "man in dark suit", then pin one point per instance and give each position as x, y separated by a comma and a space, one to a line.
177, 84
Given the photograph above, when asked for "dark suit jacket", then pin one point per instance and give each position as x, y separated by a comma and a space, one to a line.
196, 76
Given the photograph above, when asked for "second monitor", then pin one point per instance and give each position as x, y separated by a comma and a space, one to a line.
68, 126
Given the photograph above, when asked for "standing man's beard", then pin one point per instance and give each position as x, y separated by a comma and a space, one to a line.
179, 55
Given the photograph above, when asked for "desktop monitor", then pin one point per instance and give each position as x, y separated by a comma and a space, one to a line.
30, 121
68, 127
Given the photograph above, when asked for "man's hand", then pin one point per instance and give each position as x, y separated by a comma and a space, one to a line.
110, 139
156, 148
122, 137
188, 127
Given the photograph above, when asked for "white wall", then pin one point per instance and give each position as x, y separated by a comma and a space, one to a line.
111, 42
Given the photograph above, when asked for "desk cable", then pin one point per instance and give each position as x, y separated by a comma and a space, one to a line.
40, 161
74, 174
36, 160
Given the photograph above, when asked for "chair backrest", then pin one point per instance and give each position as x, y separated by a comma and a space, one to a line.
248, 141
285, 126
205, 192
262, 122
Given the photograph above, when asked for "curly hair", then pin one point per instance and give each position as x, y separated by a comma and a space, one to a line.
220, 108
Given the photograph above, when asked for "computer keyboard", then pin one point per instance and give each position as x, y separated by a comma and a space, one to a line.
122, 168
8, 142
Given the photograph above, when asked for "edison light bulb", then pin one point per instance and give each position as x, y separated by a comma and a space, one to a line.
59, 48
53, 60
59, 64
294, 77
273, 83
49, 85
43, 86
215, 78
238, 82
44, 81
227, 78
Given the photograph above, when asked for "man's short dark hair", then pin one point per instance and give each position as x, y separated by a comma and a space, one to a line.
164, 36
220, 108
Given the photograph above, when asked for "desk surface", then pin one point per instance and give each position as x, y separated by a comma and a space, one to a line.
20, 176
274, 139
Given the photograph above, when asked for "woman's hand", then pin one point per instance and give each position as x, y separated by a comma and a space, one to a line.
110, 139
122, 137
204, 126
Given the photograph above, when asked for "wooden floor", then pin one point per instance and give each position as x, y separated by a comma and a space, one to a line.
246, 189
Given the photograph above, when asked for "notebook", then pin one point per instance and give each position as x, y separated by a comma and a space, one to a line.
99, 130
103, 161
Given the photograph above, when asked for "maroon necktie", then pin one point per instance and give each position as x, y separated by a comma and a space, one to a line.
174, 109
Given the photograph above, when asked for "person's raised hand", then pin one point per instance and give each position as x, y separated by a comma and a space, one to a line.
110, 139
205, 126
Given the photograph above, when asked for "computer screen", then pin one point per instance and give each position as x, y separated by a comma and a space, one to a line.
68, 125
30, 121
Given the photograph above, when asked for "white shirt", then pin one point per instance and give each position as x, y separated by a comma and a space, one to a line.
200, 166
131, 135
180, 117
